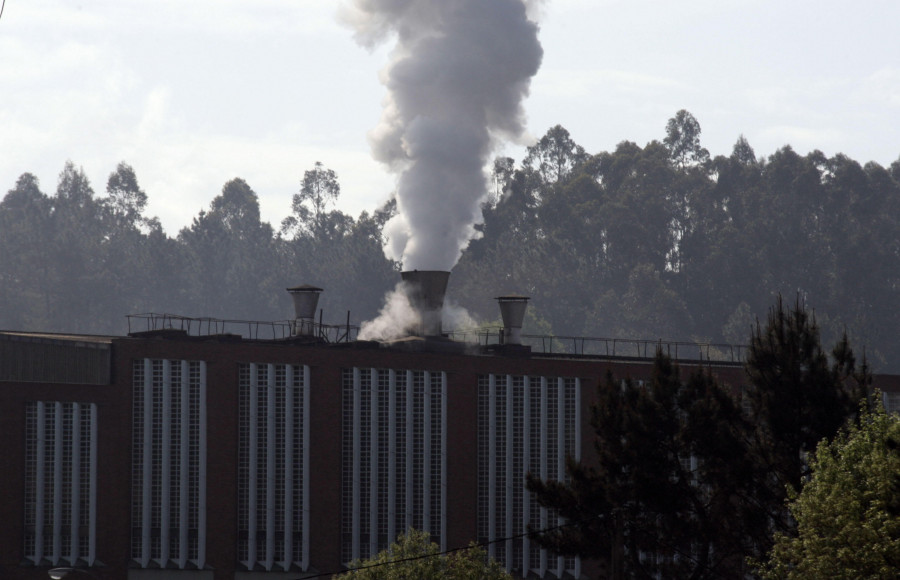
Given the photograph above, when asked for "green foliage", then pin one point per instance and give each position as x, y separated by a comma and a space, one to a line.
665, 496
414, 555
845, 526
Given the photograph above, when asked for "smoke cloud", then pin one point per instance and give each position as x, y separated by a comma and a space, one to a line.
398, 316
395, 319
456, 81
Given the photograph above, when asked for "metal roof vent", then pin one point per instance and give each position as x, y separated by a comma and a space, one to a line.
512, 309
306, 298
426, 289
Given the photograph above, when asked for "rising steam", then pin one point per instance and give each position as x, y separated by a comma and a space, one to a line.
456, 81
394, 320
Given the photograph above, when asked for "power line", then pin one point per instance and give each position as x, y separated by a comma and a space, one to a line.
444, 553
530, 533
2, 6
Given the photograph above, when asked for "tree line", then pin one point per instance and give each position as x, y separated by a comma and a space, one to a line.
662, 241
76, 261
665, 241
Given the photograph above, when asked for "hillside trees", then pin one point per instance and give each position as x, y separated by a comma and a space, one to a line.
319, 189
715, 239
134, 246
229, 252
331, 250
74, 261
652, 241
683, 140
79, 250
27, 274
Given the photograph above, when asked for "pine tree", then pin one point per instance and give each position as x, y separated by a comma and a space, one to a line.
667, 493
797, 398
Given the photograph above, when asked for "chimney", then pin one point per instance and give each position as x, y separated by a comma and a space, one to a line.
306, 298
426, 295
512, 309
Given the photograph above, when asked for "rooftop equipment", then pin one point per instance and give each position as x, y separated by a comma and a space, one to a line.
425, 290
306, 298
512, 310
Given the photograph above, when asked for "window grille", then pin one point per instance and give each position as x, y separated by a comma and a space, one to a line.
273, 460
394, 458
168, 464
60, 483
525, 424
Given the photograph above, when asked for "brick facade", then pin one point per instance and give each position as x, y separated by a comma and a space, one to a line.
223, 358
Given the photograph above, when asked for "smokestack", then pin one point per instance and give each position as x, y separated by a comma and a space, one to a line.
512, 309
306, 298
426, 289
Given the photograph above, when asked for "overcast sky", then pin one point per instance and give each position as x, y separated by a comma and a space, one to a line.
194, 93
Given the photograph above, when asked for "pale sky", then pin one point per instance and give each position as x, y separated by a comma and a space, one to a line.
194, 93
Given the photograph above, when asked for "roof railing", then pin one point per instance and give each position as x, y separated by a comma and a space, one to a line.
608, 347
249, 329
484, 336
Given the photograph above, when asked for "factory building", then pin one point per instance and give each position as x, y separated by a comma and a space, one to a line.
185, 450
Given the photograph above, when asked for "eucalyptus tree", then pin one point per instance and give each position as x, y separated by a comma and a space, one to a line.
27, 276
230, 257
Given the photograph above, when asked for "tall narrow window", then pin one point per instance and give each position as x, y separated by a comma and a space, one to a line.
168, 464
525, 424
273, 467
60, 483
394, 458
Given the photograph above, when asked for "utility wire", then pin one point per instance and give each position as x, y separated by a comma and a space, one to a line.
530, 533
2, 6
444, 553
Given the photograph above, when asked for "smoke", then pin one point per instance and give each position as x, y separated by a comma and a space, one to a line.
394, 320
398, 316
457, 77
458, 318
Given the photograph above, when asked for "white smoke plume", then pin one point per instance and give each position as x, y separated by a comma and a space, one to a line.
394, 320
458, 318
457, 77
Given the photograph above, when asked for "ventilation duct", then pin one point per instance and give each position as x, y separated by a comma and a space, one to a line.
512, 310
425, 290
306, 298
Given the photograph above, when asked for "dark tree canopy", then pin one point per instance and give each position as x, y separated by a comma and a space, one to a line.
668, 492
319, 189
797, 398
688, 478
653, 241
683, 140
